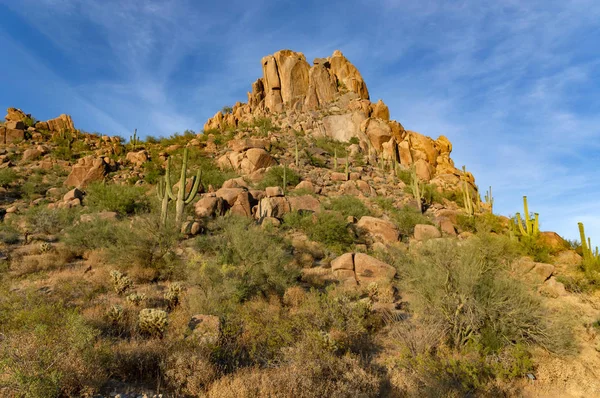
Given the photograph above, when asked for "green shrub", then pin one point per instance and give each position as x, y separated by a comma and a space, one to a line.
123, 199
246, 260
332, 147
8, 234
468, 287
7, 177
348, 206
327, 227
406, 218
274, 178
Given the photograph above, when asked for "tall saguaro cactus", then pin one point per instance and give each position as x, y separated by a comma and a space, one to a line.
489, 199
466, 193
163, 196
589, 256
532, 226
415, 185
182, 198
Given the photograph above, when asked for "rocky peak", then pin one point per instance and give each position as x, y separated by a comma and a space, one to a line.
330, 98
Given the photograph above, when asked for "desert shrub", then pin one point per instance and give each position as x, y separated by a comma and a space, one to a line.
327, 227
153, 172
49, 221
211, 173
96, 234
265, 125
534, 247
430, 194
405, 176
188, 370
481, 223
307, 369
8, 234
348, 206
145, 243
406, 218
7, 177
246, 261
274, 178
332, 147
469, 288
178, 138
48, 351
123, 199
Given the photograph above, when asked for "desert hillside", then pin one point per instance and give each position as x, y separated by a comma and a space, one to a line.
302, 244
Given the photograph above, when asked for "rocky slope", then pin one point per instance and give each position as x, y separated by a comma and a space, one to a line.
314, 289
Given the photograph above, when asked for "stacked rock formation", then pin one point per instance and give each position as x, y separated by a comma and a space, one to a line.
330, 98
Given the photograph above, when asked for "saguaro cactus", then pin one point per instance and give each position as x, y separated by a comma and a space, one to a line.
181, 199
134, 140
489, 199
532, 227
466, 193
589, 256
163, 196
416, 188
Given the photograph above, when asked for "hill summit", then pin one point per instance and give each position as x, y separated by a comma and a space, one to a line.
331, 99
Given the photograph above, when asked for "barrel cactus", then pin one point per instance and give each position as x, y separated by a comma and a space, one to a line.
153, 322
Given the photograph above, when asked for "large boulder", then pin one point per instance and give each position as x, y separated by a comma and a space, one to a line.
368, 269
9, 136
255, 159
322, 86
425, 232
61, 123
381, 111
208, 206
87, 170
275, 207
137, 158
382, 230
293, 75
15, 115
353, 268
378, 131
343, 127
347, 74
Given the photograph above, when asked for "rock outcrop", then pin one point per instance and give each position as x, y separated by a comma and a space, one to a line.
331, 99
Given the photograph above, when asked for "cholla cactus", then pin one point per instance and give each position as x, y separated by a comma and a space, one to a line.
373, 290
121, 282
45, 247
135, 298
115, 314
153, 322
173, 295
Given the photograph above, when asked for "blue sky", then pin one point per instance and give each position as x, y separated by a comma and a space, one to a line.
515, 85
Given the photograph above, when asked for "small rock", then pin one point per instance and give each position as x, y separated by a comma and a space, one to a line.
425, 232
